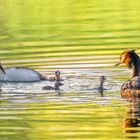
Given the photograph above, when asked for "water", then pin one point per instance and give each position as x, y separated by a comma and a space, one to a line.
83, 39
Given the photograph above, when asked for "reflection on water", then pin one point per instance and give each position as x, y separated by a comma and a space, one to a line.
83, 40
72, 112
131, 122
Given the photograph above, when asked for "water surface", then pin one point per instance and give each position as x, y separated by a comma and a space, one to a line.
83, 39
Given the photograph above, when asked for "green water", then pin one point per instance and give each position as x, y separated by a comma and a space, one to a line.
83, 39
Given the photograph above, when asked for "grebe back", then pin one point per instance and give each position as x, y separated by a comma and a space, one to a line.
19, 74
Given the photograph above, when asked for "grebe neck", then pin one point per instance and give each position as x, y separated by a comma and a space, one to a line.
135, 67
101, 84
135, 70
57, 77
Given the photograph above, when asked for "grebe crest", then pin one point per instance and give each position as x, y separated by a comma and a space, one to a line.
131, 59
132, 86
128, 57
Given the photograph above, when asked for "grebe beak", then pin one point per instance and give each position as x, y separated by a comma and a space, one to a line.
1, 68
117, 64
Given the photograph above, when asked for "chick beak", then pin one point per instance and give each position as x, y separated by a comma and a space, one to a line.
117, 64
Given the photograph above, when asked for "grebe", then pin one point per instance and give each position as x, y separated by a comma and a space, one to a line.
19, 74
101, 86
57, 86
131, 88
102, 80
56, 77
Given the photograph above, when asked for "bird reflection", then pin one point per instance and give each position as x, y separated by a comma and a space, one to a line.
131, 123
0, 88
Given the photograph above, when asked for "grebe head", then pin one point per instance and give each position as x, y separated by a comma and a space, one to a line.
128, 57
57, 73
58, 84
102, 78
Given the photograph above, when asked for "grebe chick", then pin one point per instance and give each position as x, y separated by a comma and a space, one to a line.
101, 86
56, 86
19, 74
131, 59
56, 77
102, 80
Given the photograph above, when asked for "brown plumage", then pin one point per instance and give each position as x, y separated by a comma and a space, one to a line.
131, 88
131, 59
56, 77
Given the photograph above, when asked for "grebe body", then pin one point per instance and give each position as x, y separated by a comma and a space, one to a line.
20, 74
131, 88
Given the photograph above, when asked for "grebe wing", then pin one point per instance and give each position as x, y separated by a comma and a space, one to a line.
21, 74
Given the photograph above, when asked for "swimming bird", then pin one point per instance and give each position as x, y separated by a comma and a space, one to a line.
57, 86
101, 86
56, 77
132, 60
19, 74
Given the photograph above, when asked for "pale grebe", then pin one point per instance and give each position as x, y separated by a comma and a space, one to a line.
131, 88
19, 74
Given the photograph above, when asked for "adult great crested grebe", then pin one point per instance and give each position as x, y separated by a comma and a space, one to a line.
131, 88
19, 74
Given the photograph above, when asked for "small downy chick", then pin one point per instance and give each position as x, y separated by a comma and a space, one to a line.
100, 89
57, 86
56, 77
